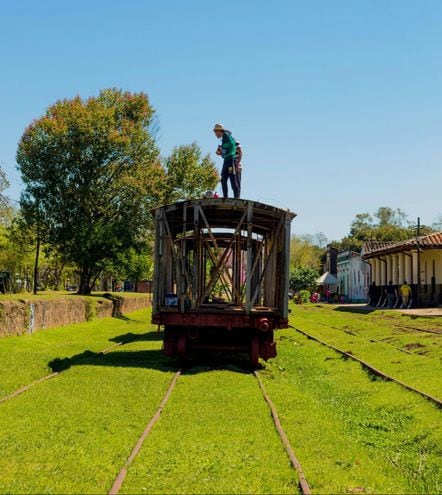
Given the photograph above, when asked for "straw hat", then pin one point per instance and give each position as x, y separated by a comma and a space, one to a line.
218, 127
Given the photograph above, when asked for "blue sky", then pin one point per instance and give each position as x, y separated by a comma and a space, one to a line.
337, 103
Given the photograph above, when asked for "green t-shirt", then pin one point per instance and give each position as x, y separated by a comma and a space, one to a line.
228, 145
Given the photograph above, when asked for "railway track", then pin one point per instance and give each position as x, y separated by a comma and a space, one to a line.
54, 374
424, 330
371, 368
409, 327
348, 332
384, 320
302, 481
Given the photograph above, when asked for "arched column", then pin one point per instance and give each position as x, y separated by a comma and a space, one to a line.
415, 273
378, 271
394, 269
408, 270
389, 267
383, 271
401, 268
371, 272
374, 272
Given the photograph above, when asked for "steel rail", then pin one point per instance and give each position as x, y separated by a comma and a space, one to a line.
384, 320
123, 471
377, 341
303, 484
58, 373
371, 368
120, 478
425, 330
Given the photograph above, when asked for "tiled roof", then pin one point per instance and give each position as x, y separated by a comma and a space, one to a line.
375, 248
431, 241
370, 246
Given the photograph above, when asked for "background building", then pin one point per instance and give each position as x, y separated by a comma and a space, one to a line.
353, 275
417, 260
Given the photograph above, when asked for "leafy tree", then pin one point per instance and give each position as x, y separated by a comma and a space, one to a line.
189, 174
16, 256
5, 207
303, 278
386, 224
437, 224
388, 216
305, 251
132, 264
91, 169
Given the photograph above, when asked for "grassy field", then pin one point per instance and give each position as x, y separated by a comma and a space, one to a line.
352, 432
49, 295
387, 340
28, 357
215, 436
73, 433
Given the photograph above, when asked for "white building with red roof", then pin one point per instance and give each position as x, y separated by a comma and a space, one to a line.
418, 261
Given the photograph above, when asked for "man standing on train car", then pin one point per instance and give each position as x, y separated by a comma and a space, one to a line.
227, 150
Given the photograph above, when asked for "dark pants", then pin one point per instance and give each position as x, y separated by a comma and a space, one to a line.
390, 299
238, 178
227, 173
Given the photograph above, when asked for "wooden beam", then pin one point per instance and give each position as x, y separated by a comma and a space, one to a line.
249, 303
268, 258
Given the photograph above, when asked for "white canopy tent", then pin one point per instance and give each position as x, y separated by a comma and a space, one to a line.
327, 279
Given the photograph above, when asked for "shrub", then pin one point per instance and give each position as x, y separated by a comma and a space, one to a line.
304, 296
303, 278
90, 309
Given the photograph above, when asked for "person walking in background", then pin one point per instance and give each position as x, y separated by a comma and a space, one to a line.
328, 295
405, 292
227, 150
391, 294
372, 292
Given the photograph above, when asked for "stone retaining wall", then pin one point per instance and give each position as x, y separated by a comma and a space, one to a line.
25, 317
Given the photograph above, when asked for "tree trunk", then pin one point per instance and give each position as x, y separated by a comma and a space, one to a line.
85, 278
58, 274
37, 254
95, 280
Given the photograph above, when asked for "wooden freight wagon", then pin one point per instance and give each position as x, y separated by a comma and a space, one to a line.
221, 277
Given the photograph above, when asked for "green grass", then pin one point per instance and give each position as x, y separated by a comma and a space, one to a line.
215, 436
50, 295
40, 296
406, 354
72, 434
351, 431
27, 357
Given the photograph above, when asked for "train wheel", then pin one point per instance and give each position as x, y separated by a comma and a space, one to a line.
254, 351
181, 346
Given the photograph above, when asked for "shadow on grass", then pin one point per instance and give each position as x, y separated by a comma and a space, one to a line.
149, 359
201, 362
197, 362
357, 308
153, 335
